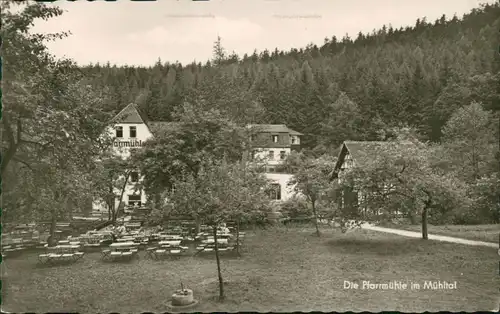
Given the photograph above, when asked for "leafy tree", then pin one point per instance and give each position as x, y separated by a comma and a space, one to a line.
400, 176
312, 180
109, 182
27, 65
470, 139
219, 192
182, 148
486, 199
52, 119
344, 122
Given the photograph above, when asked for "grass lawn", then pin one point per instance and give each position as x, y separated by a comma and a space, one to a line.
281, 270
488, 233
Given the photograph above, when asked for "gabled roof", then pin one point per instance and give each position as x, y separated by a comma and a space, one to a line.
129, 114
274, 128
362, 152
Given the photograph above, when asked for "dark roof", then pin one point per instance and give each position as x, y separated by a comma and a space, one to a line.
132, 114
129, 114
158, 127
364, 151
274, 128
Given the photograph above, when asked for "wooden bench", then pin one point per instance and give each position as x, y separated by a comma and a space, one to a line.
161, 253
116, 255
13, 251
150, 252
79, 255
60, 257
105, 254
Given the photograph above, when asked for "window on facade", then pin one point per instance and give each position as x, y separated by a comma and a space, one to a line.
134, 176
119, 131
275, 191
271, 154
133, 131
134, 200
293, 140
282, 155
275, 138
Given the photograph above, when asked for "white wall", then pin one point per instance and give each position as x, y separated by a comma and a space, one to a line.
263, 153
296, 139
143, 134
282, 179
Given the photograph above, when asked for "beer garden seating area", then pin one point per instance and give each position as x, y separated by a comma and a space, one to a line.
174, 240
64, 252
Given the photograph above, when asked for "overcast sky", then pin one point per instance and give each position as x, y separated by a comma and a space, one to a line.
138, 33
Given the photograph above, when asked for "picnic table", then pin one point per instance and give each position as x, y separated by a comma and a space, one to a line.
12, 249
169, 243
142, 238
207, 245
170, 237
120, 251
64, 248
210, 234
125, 239
61, 253
166, 248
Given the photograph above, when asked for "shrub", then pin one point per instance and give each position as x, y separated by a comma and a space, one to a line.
295, 207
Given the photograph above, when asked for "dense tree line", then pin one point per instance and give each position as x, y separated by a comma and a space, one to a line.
415, 75
441, 79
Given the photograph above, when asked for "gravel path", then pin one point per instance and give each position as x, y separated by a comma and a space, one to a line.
414, 234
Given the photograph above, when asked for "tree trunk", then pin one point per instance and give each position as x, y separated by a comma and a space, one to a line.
111, 203
124, 186
221, 282
475, 163
313, 203
7, 157
13, 145
238, 236
69, 207
425, 235
197, 224
157, 200
52, 233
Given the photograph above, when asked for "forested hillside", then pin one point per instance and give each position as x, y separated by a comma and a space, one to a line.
417, 76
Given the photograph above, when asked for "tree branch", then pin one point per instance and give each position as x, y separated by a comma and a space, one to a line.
23, 162
402, 170
19, 131
35, 143
8, 131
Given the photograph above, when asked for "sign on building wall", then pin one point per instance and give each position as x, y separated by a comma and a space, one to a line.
130, 143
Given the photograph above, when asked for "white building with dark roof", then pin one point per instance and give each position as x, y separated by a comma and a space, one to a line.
131, 130
271, 144
359, 154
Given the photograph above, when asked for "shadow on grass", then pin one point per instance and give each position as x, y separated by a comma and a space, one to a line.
381, 247
60, 264
222, 256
